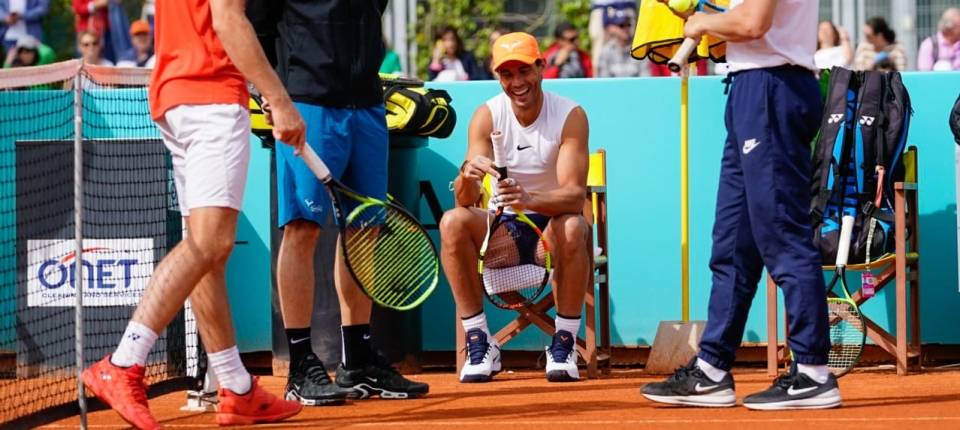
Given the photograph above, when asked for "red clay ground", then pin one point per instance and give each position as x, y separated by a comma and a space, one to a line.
876, 399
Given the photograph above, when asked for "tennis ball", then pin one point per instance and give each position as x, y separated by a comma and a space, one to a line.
682, 6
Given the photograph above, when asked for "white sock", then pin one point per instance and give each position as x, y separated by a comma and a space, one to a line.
478, 321
228, 368
819, 373
571, 325
135, 345
715, 374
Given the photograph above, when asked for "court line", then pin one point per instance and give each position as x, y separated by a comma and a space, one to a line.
488, 423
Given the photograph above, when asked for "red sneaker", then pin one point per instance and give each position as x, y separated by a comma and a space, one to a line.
123, 389
257, 406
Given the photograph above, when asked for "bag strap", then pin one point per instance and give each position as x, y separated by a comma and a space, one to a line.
833, 127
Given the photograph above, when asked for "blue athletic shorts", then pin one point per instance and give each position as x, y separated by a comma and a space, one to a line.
525, 239
354, 145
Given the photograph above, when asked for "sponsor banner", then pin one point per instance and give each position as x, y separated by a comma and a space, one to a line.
116, 271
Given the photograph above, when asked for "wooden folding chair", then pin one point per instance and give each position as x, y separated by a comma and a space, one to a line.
595, 210
901, 267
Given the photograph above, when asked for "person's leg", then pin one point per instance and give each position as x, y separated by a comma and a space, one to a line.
210, 147
736, 267
364, 370
569, 238
303, 206
462, 231
777, 172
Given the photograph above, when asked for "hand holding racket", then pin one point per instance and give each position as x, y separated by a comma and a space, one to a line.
515, 261
847, 329
387, 251
689, 45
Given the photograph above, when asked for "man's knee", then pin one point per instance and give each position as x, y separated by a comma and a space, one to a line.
456, 225
570, 231
301, 235
214, 250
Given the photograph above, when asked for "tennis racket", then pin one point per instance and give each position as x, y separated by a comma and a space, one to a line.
847, 329
386, 250
515, 261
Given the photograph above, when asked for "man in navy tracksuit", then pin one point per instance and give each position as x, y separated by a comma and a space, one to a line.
762, 216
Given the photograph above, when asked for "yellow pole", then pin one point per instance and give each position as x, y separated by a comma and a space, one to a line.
684, 197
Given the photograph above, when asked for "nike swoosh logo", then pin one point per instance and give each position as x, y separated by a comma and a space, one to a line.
371, 379
800, 391
521, 148
749, 145
700, 388
299, 340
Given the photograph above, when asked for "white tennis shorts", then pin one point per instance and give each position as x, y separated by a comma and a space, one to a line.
210, 146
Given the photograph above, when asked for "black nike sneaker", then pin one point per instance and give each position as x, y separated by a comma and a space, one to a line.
795, 390
310, 385
379, 379
690, 386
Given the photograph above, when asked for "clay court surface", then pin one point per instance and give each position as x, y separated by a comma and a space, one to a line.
873, 399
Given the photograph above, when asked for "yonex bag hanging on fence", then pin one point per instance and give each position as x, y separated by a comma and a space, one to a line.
856, 160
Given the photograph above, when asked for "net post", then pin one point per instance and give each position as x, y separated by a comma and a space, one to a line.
78, 237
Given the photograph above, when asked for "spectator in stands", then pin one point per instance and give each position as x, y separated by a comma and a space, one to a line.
615, 60
596, 26
878, 37
19, 18
941, 52
450, 61
94, 15
90, 45
488, 63
564, 57
26, 53
142, 40
883, 63
833, 47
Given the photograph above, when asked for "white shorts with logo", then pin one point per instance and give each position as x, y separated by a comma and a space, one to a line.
210, 146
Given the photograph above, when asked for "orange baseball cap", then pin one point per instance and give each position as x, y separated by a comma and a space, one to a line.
139, 27
521, 47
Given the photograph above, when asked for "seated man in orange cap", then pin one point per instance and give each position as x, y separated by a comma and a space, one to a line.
545, 139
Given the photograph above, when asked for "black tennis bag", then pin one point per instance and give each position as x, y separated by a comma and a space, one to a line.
856, 160
419, 111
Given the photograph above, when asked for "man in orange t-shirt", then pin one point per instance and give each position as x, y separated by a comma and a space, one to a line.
206, 51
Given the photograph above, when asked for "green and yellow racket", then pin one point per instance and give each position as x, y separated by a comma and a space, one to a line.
387, 251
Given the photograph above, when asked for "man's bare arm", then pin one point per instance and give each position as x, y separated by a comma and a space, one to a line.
748, 21
239, 40
478, 161
572, 165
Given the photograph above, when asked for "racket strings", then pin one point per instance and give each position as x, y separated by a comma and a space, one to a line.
847, 333
514, 263
390, 255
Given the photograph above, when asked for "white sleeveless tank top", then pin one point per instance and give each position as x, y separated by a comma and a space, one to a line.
531, 152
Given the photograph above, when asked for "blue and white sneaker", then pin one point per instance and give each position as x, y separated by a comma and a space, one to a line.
483, 357
562, 358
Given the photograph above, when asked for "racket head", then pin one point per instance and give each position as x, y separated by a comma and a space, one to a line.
515, 262
387, 252
848, 331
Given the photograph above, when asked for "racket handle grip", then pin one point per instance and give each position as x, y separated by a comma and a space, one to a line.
316, 165
679, 59
843, 246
